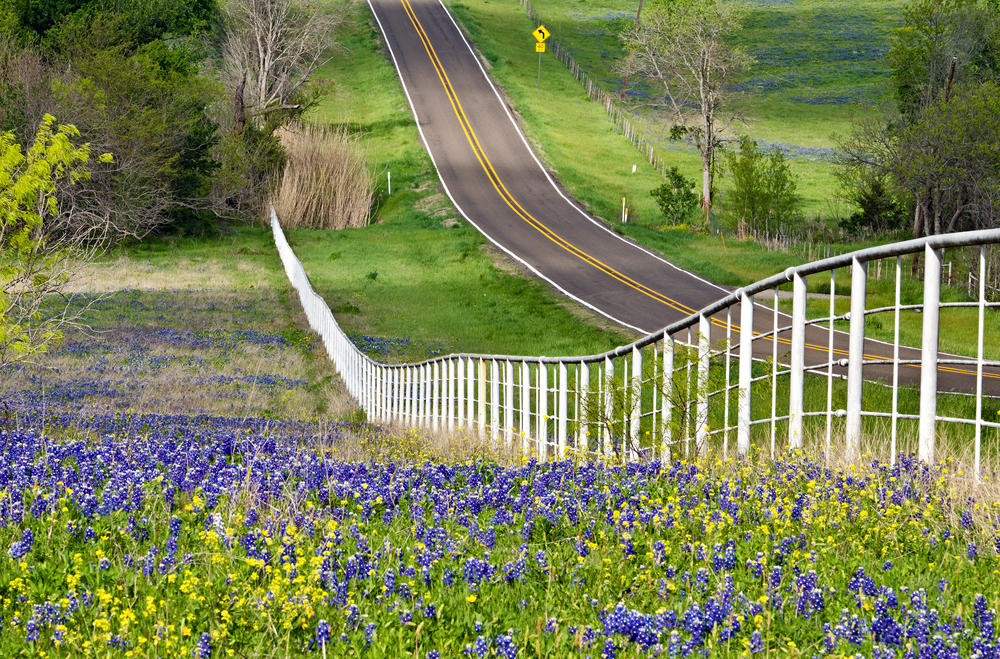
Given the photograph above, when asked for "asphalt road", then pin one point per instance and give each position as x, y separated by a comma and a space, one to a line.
500, 186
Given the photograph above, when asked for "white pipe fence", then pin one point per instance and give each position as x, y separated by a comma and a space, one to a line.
671, 392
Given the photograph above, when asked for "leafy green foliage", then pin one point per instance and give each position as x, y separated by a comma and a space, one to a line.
146, 20
30, 266
676, 198
764, 192
127, 74
879, 209
934, 35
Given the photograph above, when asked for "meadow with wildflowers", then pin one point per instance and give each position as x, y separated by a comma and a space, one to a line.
244, 542
135, 525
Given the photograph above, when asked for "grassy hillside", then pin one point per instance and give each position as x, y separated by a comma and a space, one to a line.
818, 63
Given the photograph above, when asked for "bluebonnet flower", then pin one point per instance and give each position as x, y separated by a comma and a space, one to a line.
323, 633
505, 646
204, 648
369, 634
23, 546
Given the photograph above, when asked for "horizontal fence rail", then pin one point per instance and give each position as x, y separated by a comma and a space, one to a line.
748, 367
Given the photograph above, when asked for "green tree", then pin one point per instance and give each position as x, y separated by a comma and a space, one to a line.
147, 20
148, 107
946, 160
34, 263
941, 40
676, 198
764, 192
879, 208
685, 48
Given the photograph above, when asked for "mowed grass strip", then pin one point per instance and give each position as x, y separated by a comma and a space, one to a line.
440, 290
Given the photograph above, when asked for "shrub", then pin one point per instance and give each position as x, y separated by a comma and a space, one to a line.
676, 198
327, 182
879, 210
764, 191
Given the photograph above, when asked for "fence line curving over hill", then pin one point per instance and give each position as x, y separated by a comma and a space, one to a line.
689, 388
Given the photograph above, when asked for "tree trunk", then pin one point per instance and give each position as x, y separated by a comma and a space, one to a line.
959, 207
919, 216
937, 212
239, 107
706, 182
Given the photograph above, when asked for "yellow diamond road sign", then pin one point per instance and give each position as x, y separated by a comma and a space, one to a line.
540, 47
541, 33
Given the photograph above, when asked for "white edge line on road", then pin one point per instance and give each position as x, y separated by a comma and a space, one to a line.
427, 147
549, 178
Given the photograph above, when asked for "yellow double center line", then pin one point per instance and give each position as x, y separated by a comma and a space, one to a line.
505, 194
515, 206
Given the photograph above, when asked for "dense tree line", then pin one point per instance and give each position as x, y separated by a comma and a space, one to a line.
930, 162
174, 90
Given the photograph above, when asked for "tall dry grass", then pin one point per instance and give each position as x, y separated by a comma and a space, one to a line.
327, 182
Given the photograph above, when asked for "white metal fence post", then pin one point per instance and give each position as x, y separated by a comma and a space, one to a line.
855, 357
421, 382
395, 395
746, 373
525, 415
584, 402
979, 355
508, 399
563, 375
704, 364
470, 382
798, 363
461, 391
929, 354
667, 417
895, 362
774, 374
607, 383
450, 396
829, 365
494, 400
379, 392
482, 399
435, 395
635, 397
543, 410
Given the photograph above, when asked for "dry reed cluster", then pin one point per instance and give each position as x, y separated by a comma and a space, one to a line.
327, 182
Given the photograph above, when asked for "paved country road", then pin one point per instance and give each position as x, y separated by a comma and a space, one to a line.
500, 186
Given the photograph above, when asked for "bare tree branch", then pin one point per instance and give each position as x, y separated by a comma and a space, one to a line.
270, 50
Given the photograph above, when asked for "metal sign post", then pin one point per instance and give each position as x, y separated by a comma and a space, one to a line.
540, 34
